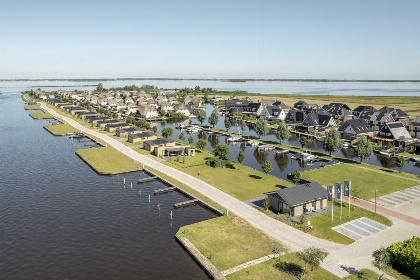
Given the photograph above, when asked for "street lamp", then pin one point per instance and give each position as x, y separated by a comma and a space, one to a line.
375, 201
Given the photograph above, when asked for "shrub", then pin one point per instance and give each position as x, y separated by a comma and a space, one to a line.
405, 257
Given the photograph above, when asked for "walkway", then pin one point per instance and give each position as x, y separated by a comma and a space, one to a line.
383, 172
250, 263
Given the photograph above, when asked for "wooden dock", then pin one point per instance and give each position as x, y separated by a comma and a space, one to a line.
185, 203
165, 190
145, 180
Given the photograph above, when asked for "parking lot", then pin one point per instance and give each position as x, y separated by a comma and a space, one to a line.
360, 228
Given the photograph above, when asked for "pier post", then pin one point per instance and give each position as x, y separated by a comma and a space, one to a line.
149, 198
124, 180
131, 186
227, 212
171, 215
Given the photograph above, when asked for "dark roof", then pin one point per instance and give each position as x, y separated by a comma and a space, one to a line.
98, 118
252, 107
300, 194
314, 119
300, 104
141, 135
416, 121
159, 141
86, 114
365, 108
295, 116
55, 100
281, 105
106, 121
129, 129
75, 109
398, 130
358, 125
117, 125
236, 103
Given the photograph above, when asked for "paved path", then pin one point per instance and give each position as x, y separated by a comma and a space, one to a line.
248, 264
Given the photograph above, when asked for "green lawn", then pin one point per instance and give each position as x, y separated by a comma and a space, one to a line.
241, 182
108, 160
60, 129
322, 224
366, 181
229, 240
290, 267
32, 108
41, 115
198, 159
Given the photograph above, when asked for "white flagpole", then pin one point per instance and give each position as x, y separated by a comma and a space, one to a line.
349, 196
332, 204
341, 200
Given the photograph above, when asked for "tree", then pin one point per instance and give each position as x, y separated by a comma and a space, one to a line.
206, 97
243, 126
266, 166
313, 257
130, 119
380, 260
197, 88
374, 127
295, 176
338, 118
167, 132
363, 148
162, 112
142, 123
400, 163
201, 144
191, 140
240, 157
303, 141
332, 141
181, 136
99, 87
221, 151
355, 193
228, 125
261, 127
202, 116
154, 129
214, 117
282, 132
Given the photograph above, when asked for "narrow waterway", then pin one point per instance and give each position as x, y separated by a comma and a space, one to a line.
60, 220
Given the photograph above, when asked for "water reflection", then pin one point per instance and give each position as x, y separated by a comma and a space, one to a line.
260, 156
282, 161
214, 140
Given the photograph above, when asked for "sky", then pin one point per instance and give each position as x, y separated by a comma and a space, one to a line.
376, 39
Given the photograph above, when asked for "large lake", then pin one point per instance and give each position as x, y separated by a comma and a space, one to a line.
60, 220
264, 87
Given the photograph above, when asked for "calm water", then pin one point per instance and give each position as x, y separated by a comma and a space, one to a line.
304, 88
282, 165
60, 220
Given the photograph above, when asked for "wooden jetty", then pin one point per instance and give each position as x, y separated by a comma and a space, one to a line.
165, 190
185, 203
266, 147
303, 134
145, 180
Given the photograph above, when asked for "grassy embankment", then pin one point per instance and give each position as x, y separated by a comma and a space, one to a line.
32, 108
60, 129
41, 115
229, 241
366, 181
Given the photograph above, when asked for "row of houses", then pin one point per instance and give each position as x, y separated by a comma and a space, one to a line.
142, 104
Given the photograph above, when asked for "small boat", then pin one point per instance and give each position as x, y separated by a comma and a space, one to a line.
14, 93
234, 139
182, 126
320, 139
194, 129
417, 162
305, 157
282, 152
252, 143
345, 145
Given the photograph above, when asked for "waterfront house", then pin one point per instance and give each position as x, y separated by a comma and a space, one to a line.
273, 113
75, 110
174, 151
140, 137
236, 104
182, 108
111, 127
397, 114
84, 115
396, 133
166, 106
340, 109
355, 128
360, 109
95, 120
317, 122
194, 101
376, 118
300, 105
295, 116
216, 98
124, 132
299, 199
150, 145
132, 108
104, 123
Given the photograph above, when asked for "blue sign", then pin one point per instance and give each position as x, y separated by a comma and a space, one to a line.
330, 190
338, 190
277, 250
347, 186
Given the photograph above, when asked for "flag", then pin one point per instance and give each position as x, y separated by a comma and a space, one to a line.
338, 190
330, 192
347, 188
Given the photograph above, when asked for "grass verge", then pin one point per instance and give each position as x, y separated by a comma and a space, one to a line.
60, 129
229, 241
107, 160
41, 115
366, 181
32, 108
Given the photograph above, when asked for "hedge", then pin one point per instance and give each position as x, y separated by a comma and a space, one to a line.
405, 257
